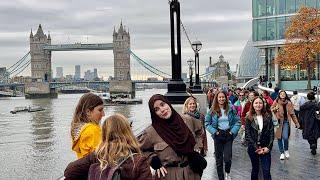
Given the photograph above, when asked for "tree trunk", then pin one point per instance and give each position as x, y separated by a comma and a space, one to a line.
309, 76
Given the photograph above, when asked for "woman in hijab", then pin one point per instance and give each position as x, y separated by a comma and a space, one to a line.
170, 144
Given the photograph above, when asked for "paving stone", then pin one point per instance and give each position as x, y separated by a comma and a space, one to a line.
301, 165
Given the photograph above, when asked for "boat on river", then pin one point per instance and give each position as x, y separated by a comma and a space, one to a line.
119, 99
122, 101
26, 109
74, 90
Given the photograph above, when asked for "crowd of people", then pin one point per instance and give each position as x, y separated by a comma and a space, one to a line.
263, 118
174, 145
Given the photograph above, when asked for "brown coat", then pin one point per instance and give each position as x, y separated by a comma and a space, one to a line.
152, 144
197, 128
277, 109
137, 170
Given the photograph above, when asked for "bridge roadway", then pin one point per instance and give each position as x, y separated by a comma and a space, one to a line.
59, 84
78, 47
301, 165
53, 84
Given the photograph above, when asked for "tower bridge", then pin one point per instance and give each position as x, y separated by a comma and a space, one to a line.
41, 65
41, 51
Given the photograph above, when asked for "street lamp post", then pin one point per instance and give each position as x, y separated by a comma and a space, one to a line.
176, 87
196, 46
190, 63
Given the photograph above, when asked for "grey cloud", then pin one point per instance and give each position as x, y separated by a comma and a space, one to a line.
148, 22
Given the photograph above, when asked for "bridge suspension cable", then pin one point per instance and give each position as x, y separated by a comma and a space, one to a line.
23, 67
18, 63
149, 67
207, 73
159, 72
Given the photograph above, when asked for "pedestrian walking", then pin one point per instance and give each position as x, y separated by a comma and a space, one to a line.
119, 150
245, 110
190, 112
170, 144
284, 112
297, 101
268, 99
310, 122
259, 136
223, 124
275, 94
239, 104
232, 97
85, 129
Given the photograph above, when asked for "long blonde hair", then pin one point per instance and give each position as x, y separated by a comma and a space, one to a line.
185, 105
117, 142
86, 103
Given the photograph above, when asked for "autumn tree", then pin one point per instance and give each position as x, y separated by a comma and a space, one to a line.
302, 41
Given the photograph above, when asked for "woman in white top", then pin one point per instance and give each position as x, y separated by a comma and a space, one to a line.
259, 135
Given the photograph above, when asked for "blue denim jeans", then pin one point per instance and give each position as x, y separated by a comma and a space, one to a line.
255, 161
283, 143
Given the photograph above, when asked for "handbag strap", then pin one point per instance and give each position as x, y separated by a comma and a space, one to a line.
125, 159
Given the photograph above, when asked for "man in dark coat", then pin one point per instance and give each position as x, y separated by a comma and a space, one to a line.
274, 95
309, 123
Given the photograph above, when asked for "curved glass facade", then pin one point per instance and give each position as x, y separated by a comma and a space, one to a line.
263, 8
250, 62
271, 17
270, 21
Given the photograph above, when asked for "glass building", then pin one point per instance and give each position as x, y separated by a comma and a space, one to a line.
250, 63
270, 20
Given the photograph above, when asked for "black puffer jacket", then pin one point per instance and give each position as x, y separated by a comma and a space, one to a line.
267, 134
309, 124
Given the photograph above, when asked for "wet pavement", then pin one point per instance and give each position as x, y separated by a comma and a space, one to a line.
301, 165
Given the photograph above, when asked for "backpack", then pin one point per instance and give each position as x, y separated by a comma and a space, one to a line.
109, 173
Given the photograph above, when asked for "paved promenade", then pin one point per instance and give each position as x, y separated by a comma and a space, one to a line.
301, 165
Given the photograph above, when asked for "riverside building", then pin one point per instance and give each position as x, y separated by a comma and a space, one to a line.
270, 20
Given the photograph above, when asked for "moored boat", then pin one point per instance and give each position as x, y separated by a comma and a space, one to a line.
26, 109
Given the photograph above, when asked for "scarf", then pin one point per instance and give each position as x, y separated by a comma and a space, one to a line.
173, 130
195, 114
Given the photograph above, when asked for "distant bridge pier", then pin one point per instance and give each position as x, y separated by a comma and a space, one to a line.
37, 90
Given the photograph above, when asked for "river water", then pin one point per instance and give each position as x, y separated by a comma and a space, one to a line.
38, 145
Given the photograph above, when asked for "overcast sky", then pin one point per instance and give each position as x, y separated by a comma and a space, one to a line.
223, 26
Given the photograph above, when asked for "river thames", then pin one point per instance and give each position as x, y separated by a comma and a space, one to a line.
38, 145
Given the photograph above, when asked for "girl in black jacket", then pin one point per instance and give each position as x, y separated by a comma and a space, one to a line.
259, 135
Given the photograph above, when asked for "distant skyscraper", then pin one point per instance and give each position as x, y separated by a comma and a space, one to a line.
59, 72
77, 74
95, 73
88, 75
3, 75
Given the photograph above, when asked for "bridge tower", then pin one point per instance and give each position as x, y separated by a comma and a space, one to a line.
40, 58
121, 46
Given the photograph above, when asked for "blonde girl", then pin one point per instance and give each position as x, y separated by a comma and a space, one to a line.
118, 145
191, 113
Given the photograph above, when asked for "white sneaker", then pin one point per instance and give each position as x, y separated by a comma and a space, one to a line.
282, 156
227, 176
286, 153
